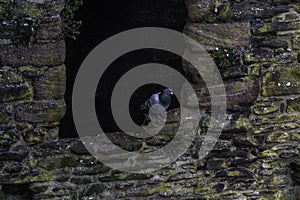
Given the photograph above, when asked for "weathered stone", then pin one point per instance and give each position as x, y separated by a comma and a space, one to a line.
8, 137
295, 165
40, 111
17, 154
227, 35
285, 26
78, 148
278, 119
13, 87
258, 10
39, 55
5, 116
283, 81
259, 55
6, 9
50, 85
38, 8
242, 92
264, 130
38, 187
235, 172
261, 41
209, 11
39, 134
7, 29
296, 43
48, 29
261, 28
81, 180
264, 110
243, 143
285, 57
200, 10
278, 137
34, 177
32, 72
125, 176
95, 189
289, 126
293, 105
215, 164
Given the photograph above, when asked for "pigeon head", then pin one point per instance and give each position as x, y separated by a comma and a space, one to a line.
165, 97
168, 91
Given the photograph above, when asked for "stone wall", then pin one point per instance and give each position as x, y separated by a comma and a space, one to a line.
32, 86
256, 47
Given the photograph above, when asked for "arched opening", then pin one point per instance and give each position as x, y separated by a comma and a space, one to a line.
102, 20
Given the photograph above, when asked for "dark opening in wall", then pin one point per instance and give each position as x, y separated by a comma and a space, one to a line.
103, 19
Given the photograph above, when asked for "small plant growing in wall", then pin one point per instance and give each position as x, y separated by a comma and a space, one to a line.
70, 25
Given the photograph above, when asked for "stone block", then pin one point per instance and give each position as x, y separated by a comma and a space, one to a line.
13, 86
38, 55
48, 29
32, 72
17, 154
296, 43
50, 85
293, 105
259, 55
7, 28
265, 110
200, 10
209, 11
5, 115
280, 137
226, 35
258, 27
37, 8
282, 81
40, 111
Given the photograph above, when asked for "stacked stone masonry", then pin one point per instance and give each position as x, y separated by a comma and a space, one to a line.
256, 46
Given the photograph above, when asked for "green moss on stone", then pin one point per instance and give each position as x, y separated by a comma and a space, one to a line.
31, 72
269, 153
283, 81
13, 86
233, 173
278, 137
264, 130
42, 177
225, 13
293, 105
264, 110
251, 58
278, 119
32, 10
295, 136
243, 122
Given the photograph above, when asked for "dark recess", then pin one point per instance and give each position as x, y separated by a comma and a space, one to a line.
103, 19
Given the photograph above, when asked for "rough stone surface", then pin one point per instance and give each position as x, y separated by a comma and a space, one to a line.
284, 81
254, 44
40, 111
13, 86
49, 54
215, 35
50, 85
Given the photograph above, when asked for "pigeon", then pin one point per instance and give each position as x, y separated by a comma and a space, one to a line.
163, 99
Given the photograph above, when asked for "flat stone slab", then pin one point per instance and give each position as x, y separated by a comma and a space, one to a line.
226, 35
